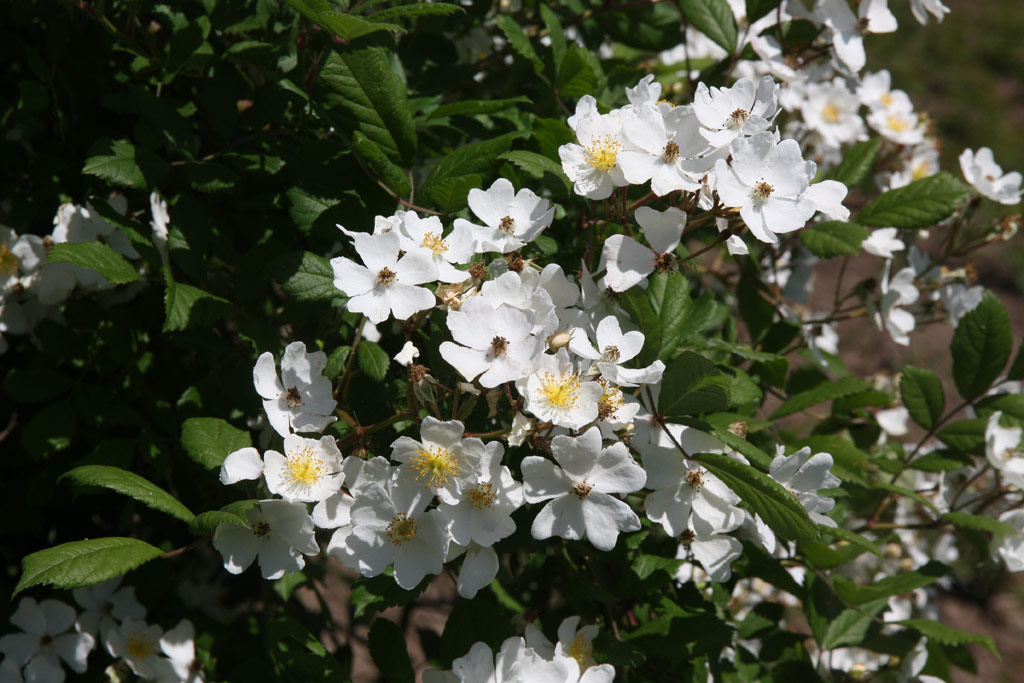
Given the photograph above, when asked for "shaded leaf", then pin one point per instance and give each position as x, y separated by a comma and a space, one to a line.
131, 485
981, 346
826, 391
857, 161
84, 563
834, 238
208, 440
921, 391
95, 256
714, 18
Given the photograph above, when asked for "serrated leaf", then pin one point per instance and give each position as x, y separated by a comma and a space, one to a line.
850, 627
209, 176
947, 635
826, 391
856, 163
921, 204
834, 238
942, 460
555, 33
370, 595
416, 10
392, 175
389, 652
906, 493
305, 276
714, 18
760, 8
773, 502
474, 107
122, 163
345, 26
981, 346
1016, 372
179, 301
84, 563
518, 41
362, 83
471, 621
576, 75
537, 165
1010, 405
692, 385
755, 455
852, 538
965, 435
373, 360
478, 157
207, 522
451, 194
921, 391
662, 312
95, 256
979, 523
336, 362
898, 584
137, 234
208, 440
131, 485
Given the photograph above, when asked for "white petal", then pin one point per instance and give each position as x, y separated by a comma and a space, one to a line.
242, 464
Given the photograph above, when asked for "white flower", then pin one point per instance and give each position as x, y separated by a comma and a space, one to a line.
574, 642
629, 263
479, 567
665, 150
933, 7
158, 226
309, 471
425, 233
386, 284
301, 399
392, 526
554, 393
407, 355
831, 110
743, 109
138, 644
441, 459
981, 170
515, 663
960, 300
883, 242
47, 637
336, 511
902, 127
493, 344
646, 90
613, 349
180, 647
105, 604
280, 533
1010, 547
579, 489
896, 293
483, 514
1003, 450
714, 551
804, 474
593, 165
512, 219
893, 421
920, 162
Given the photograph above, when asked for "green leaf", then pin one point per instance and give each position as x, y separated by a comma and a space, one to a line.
442, 9
921, 204
209, 176
478, 157
947, 635
363, 84
121, 163
857, 162
992, 525
692, 385
336, 362
921, 391
138, 235
95, 256
389, 652
84, 563
474, 107
826, 391
518, 41
755, 455
834, 238
981, 346
206, 523
555, 33
537, 165
373, 360
131, 485
713, 18
760, 8
345, 26
576, 75
370, 595
179, 301
208, 440
1016, 372
848, 460
662, 312
472, 621
965, 435
451, 194
852, 538
906, 493
392, 175
305, 276
773, 502
1010, 405
942, 460
897, 584
850, 627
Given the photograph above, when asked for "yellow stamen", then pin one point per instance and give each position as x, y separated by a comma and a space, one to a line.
582, 650
897, 123
603, 152
140, 646
401, 529
304, 467
830, 113
482, 496
560, 392
434, 243
437, 464
8, 261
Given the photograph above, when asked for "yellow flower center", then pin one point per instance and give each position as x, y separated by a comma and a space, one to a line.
140, 646
611, 400
671, 153
920, 171
897, 123
602, 153
582, 489
482, 496
560, 392
434, 243
8, 261
886, 99
401, 529
437, 464
304, 467
830, 113
582, 650
763, 190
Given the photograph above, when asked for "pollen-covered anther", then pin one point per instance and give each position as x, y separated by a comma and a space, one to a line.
763, 190
582, 650
671, 153
603, 153
8, 261
304, 467
507, 225
482, 496
738, 117
664, 263
478, 271
582, 489
292, 397
434, 242
437, 464
561, 391
611, 400
897, 123
417, 373
515, 262
687, 537
386, 276
401, 529
695, 478
499, 345
611, 353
